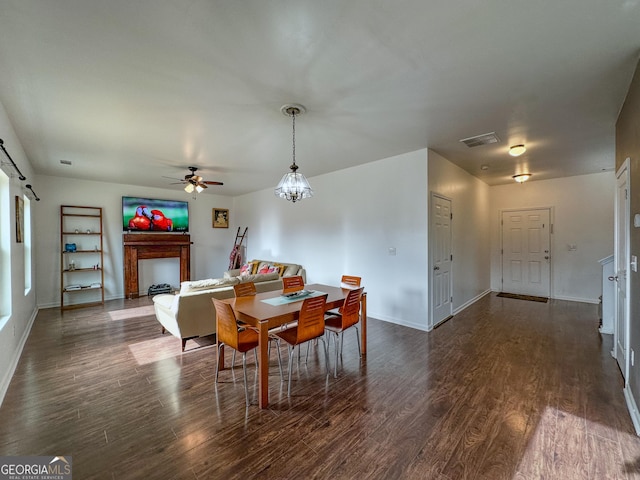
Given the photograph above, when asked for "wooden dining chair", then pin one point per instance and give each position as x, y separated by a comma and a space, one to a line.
349, 281
310, 326
230, 334
244, 289
347, 318
292, 284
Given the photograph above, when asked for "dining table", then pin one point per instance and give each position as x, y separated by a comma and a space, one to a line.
268, 310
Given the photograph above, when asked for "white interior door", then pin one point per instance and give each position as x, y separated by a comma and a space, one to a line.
526, 254
621, 259
441, 258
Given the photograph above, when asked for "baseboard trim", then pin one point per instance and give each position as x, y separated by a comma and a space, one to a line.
4, 386
576, 299
633, 408
471, 302
384, 318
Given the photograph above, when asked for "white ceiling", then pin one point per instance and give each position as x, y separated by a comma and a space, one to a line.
132, 91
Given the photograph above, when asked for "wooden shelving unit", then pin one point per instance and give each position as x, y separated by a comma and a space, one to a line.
81, 257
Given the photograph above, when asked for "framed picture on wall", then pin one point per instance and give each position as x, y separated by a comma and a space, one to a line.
19, 219
220, 218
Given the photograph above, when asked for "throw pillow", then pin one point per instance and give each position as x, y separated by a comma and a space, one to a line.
246, 269
268, 269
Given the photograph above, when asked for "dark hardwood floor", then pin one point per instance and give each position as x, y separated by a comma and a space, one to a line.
507, 389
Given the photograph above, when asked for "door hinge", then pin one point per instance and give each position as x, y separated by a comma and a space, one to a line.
451, 216
502, 251
451, 257
451, 299
551, 228
626, 194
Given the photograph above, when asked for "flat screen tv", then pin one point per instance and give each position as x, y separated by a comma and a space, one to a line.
153, 215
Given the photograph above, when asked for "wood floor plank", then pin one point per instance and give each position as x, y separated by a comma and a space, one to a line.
505, 389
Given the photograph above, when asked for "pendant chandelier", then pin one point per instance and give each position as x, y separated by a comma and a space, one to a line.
293, 186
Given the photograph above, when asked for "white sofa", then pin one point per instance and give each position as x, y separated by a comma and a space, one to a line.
190, 313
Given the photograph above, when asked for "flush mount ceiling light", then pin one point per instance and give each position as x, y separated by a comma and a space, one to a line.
521, 177
293, 186
517, 150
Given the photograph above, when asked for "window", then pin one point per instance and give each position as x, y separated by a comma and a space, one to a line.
27, 245
6, 227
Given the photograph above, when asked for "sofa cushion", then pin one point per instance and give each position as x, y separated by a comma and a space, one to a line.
291, 269
232, 273
208, 284
259, 277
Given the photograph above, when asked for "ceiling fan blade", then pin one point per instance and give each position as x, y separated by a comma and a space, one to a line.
213, 183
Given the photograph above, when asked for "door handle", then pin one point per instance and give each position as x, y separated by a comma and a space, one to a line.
546, 257
613, 278
436, 267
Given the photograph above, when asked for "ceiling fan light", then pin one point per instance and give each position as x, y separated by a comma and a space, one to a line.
521, 177
199, 188
188, 188
517, 150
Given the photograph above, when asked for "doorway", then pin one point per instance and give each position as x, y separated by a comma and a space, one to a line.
621, 260
441, 259
526, 252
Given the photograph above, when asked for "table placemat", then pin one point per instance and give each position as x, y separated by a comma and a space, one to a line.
282, 300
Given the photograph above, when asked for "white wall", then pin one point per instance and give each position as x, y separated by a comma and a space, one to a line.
356, 215
583, 209
470, 228
15, 327
209, 252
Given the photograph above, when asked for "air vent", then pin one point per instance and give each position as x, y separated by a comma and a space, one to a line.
65, 162
484, 139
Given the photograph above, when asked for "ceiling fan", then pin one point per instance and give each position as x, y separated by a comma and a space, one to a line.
195, 182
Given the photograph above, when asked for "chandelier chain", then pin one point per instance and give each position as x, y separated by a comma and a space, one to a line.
293, 116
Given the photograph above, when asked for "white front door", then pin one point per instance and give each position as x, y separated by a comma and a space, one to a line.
621, 259
441, 258
526, 254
